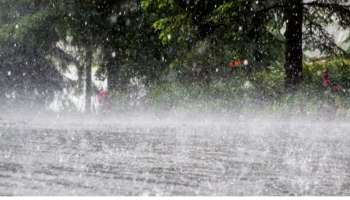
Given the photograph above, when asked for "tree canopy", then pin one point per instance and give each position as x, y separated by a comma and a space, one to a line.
156, 39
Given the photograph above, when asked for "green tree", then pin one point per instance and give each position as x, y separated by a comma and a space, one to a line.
123, 34
26, 39
256, 23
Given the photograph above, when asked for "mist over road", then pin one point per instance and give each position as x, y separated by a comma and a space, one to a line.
238, 158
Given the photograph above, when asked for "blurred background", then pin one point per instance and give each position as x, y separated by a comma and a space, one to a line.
90, 55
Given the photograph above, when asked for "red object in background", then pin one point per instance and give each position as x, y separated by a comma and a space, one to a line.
234, 63
336, 88
325, 79
104, 102
102, 96
327, 82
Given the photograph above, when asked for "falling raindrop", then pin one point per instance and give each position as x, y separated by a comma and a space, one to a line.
245, 62
113, 19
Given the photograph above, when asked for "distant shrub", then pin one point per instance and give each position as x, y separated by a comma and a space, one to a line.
264, 87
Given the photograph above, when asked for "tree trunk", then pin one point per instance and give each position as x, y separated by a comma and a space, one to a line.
294, 41
112, 76
111, 69
80, 78
88, 85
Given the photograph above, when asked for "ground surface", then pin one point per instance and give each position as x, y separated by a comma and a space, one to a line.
265, 158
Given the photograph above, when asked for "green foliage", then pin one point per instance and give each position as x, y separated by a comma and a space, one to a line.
185, 45
27, 34
339, 70
261, 87
157, 5
167, 26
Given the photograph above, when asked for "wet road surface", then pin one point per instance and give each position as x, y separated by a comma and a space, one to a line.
185, 160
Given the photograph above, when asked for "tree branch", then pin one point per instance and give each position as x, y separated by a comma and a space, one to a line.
326, 41
327, 5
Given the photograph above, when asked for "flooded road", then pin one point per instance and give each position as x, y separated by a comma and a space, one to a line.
266, 159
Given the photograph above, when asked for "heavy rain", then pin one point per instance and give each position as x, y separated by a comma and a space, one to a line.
180, 97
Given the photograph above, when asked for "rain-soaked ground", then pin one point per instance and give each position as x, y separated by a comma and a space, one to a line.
162, 158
